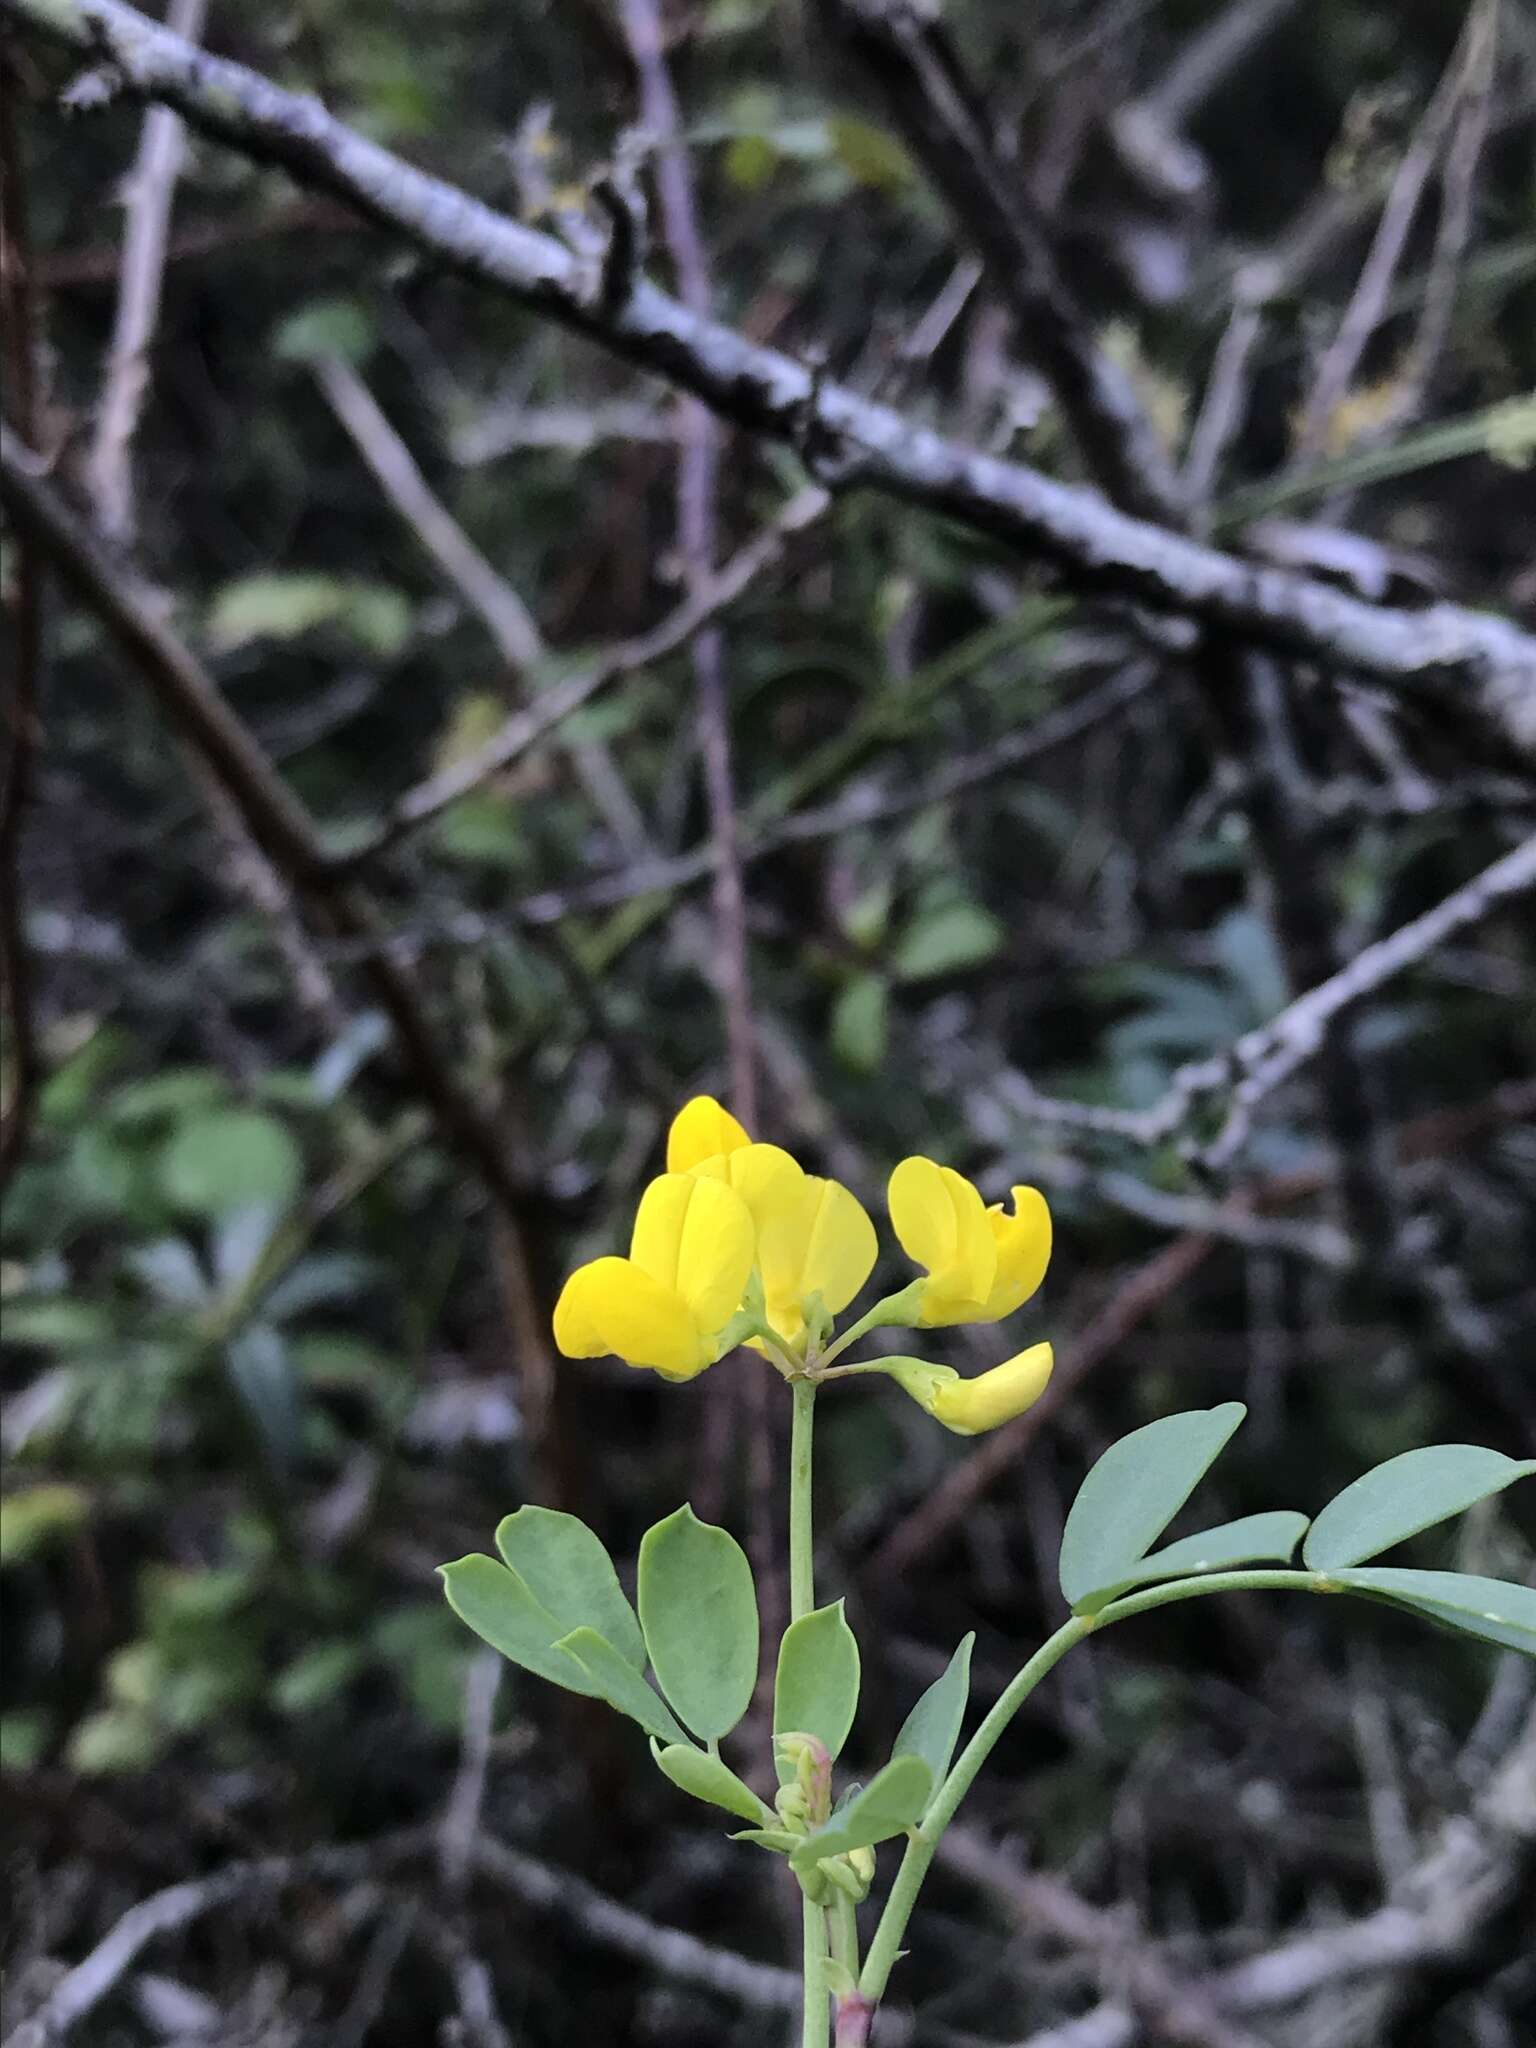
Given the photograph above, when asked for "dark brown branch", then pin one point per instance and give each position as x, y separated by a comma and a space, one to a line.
24, 699
279, 824
1480, 666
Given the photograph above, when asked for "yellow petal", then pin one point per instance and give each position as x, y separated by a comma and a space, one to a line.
643, 1322
975, 1266
765, 1176
840, 1246
694, 1237
816, 1239
577, 1334
1023, 1251
970, 1406
922, 1214
702, 1130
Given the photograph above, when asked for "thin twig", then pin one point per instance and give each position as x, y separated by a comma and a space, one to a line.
906, 50
490, 596
23, 717
1453, 231
431, 797
1258, 1062
697, 522
150, 191
1363, 314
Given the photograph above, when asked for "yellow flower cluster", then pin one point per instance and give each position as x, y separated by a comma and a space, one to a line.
737, 1243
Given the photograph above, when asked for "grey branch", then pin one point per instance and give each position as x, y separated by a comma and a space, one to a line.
1258, 1062
664, 1949
150, 190
1481, 666
1462, 1879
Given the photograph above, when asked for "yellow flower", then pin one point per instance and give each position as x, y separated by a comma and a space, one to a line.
702, 1130
982, 1263
813, 1238
666, 1305
969, 1407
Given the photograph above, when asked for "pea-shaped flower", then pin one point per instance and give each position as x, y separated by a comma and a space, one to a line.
970, 1406
814, 1238
667, 1305
702, 1129
982, 1263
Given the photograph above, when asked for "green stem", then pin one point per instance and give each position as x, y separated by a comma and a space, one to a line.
802, 1598
843, 1929
813, 2033
802, 1561
901, 1307
924, 1841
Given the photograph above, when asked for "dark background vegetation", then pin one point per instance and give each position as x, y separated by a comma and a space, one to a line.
275, 1348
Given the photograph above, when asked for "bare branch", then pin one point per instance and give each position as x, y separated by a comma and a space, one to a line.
1480, 666
489, 596
904, 48
150, 190
1258, 1062
1373, 287
697, 522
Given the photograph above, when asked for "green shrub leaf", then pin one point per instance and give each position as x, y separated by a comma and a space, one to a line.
1405, 1495
705, 1777
1252, 1539
1134, 1492
1491, 1609
620, 1684
223, 1159
932, 1728
499, 1607
888, 1805
567, 1570
698, 1611
816, 1691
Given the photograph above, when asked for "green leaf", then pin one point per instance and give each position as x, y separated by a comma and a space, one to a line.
705, 1777
286, 605
1253, 1539
816, 1690
698, 1610
226, 1159
498, 1606
932, 1728
1491, 1609
36, 1518
1403, 1496
947, 941
870, 155
567, 1570
113, 1740
1134, 1492
317, 1676
888, 1805
620, 1684
326, 327
861, 1023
